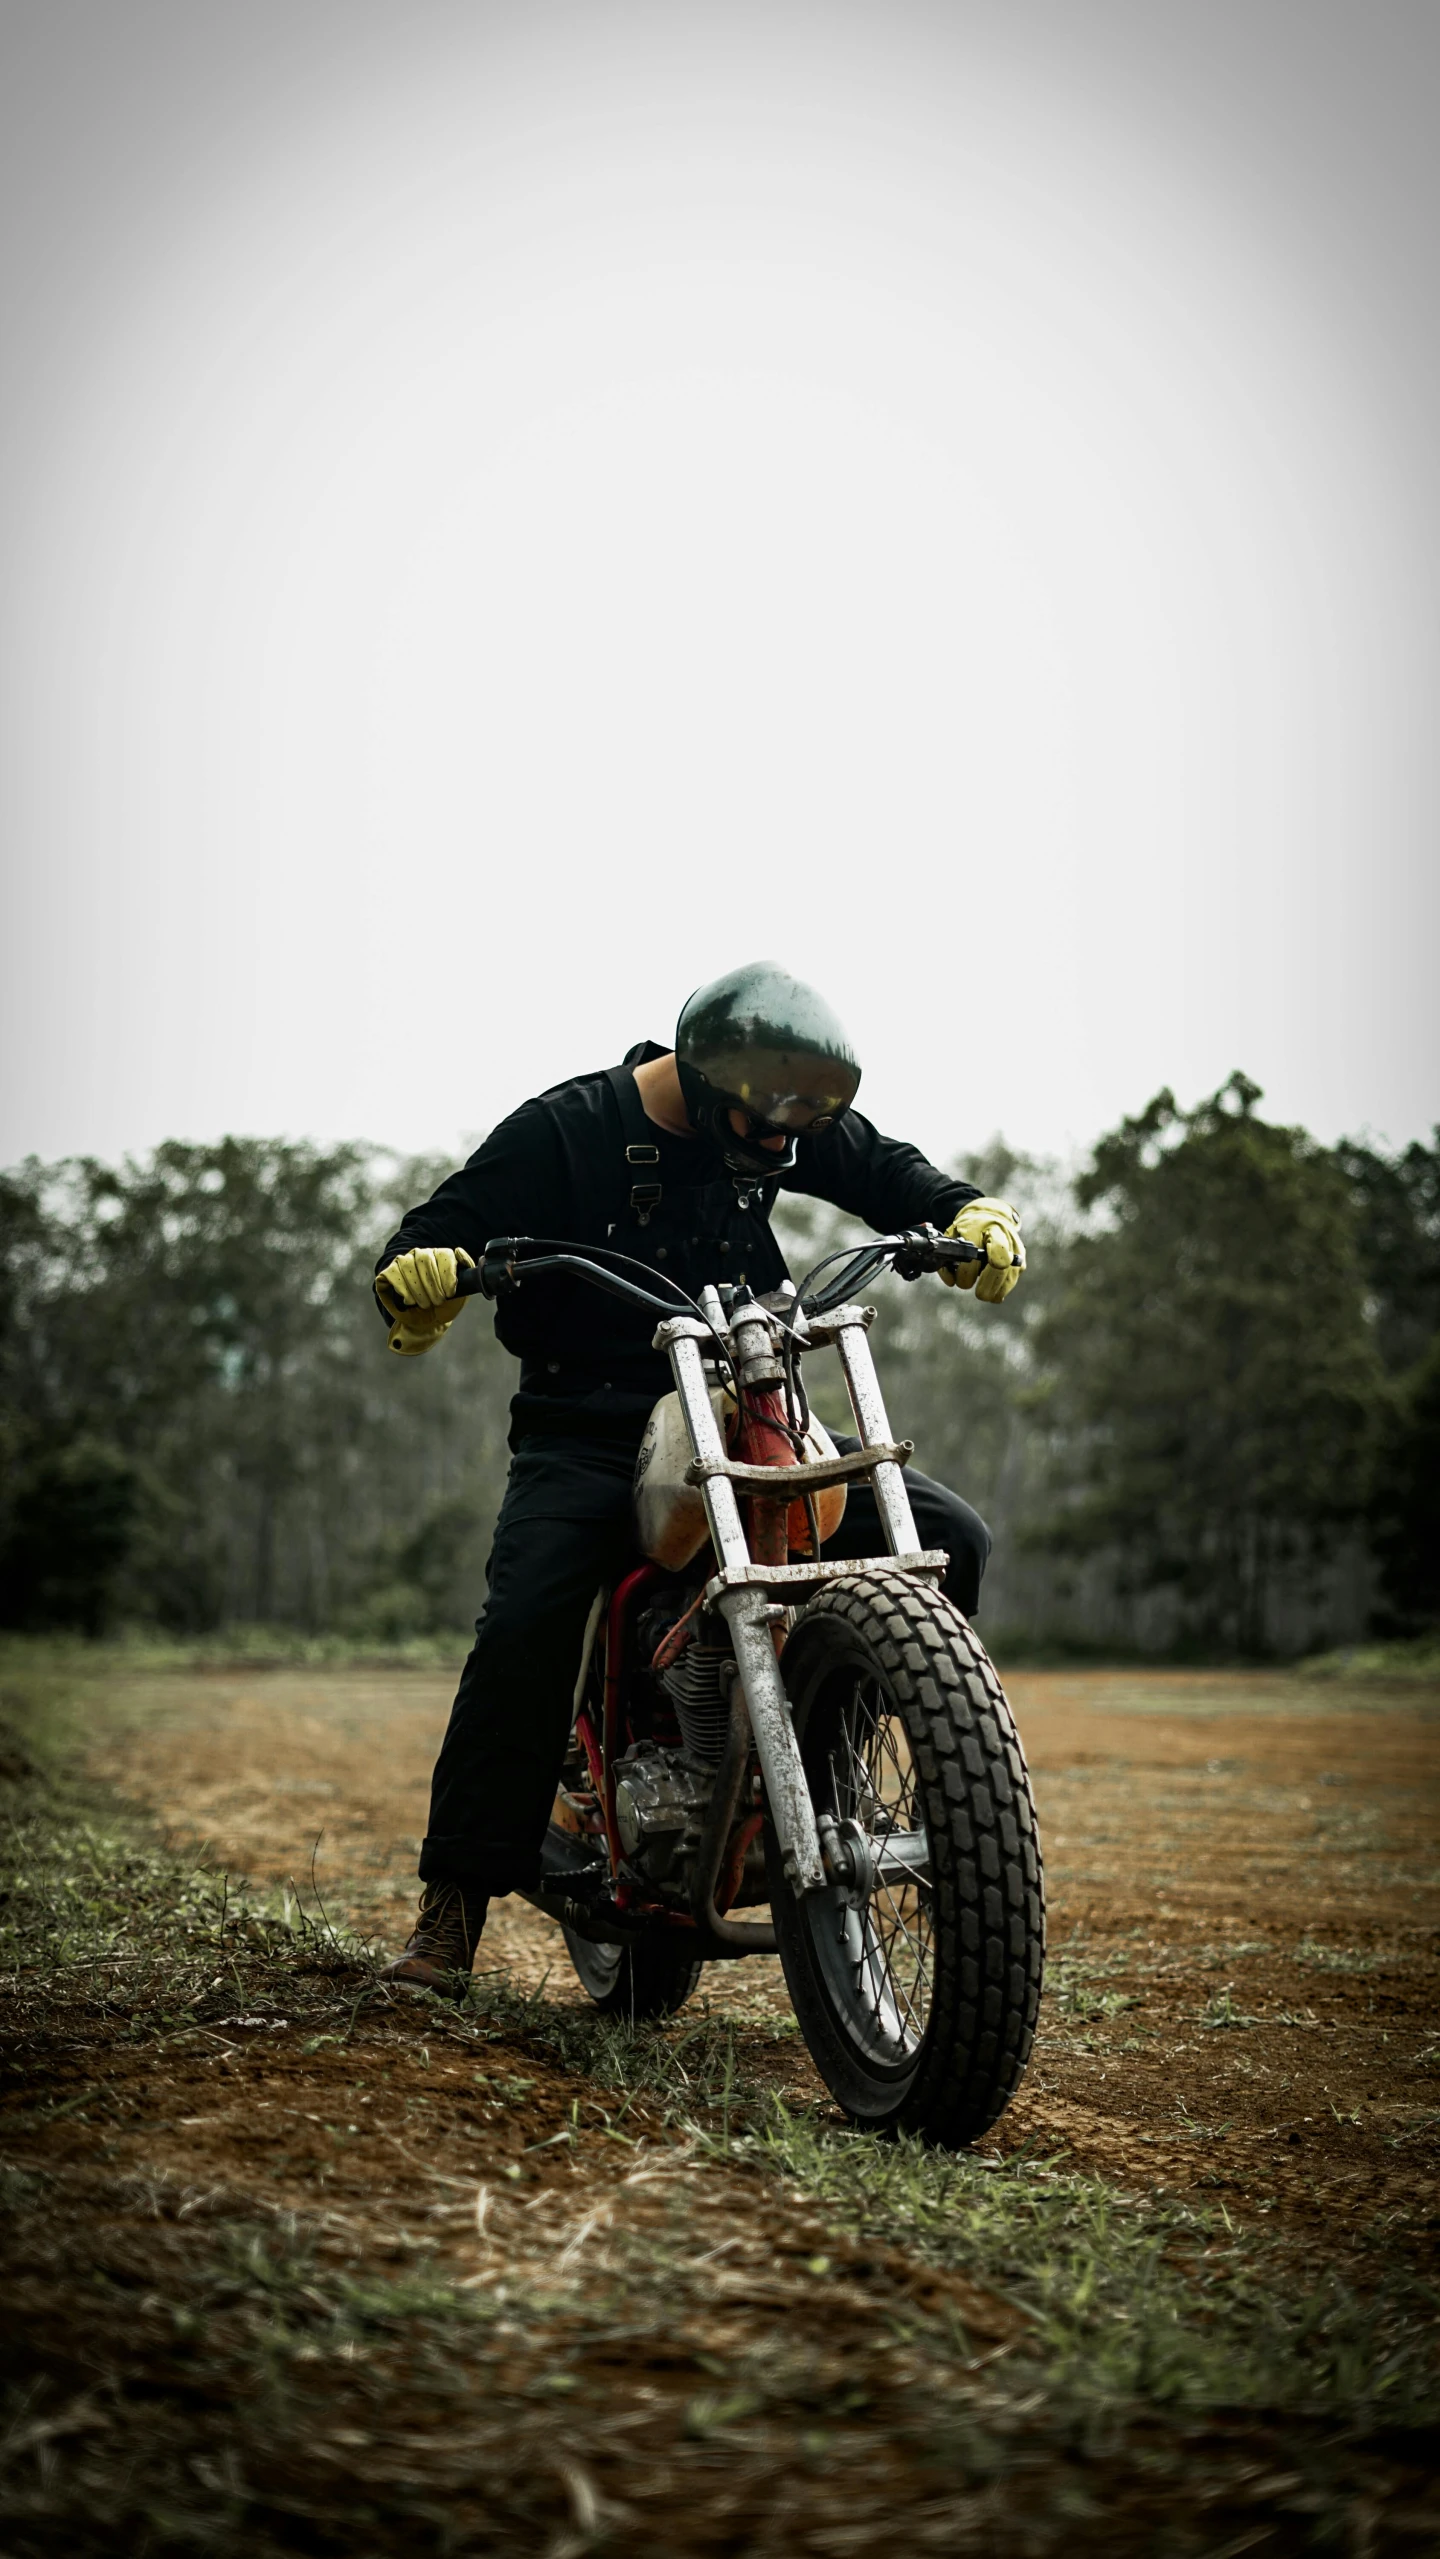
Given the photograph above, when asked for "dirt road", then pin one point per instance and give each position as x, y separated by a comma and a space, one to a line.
297, 2265
1243, 1877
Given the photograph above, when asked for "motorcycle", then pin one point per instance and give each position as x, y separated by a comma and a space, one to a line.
755, 1725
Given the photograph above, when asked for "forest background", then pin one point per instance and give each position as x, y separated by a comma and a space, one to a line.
1208, 1422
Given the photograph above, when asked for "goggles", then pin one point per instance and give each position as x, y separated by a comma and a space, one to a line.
758, 1128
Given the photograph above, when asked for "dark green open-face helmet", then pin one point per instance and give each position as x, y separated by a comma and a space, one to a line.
759, 1042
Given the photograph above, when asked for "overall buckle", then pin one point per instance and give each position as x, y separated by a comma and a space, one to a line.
645, 1197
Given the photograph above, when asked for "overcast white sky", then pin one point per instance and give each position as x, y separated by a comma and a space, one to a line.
510, 509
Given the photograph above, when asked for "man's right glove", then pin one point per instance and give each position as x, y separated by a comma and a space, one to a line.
994, 1226
417, 1291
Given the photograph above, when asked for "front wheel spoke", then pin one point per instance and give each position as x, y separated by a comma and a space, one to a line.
918, 1954
885, 1738
899, 1997
885, 1947
854, 1925
886, 2007
863, 1777
875, 1762
874, 1974
899, 1798
899, 1870
862, 1771
915, 2004
891, 1784
917, 1964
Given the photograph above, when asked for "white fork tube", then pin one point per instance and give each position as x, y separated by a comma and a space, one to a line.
868, 1406
721, 1508
779, 1753
745, 1611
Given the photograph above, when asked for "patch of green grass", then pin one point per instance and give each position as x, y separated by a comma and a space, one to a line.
677, 2069
1335, 1959
1220, 2010
96, 1917
1417, 1659
1133, 2300
1077, 1999
25, 1658
1074, 1983
301, 2306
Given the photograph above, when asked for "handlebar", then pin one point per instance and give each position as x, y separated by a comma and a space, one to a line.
500, 1269
917, 1250
508, 1260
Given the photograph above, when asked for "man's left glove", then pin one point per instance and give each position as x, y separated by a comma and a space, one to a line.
417, 1291
994, 1226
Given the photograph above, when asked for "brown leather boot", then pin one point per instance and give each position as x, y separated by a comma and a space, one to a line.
442, 1947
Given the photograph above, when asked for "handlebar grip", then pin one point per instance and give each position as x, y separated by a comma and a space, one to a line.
922, 1249
495, 1271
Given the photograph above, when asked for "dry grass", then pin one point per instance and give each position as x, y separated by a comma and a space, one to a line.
293, 2265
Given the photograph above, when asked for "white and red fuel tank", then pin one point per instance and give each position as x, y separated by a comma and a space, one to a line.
670, 1514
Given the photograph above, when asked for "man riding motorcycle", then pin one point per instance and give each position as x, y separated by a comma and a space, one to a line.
674, 1158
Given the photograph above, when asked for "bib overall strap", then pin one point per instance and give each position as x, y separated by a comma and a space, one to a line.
642, 1155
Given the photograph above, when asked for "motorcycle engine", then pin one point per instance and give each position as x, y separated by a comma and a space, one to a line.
697, 1684
662, 1794
660, 1807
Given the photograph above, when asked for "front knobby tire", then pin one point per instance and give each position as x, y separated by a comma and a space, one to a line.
647, 1977
917, 2000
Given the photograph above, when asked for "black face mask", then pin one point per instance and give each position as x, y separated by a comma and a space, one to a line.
745, 1156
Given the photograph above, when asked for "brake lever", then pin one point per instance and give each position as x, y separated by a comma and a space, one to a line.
924, 1249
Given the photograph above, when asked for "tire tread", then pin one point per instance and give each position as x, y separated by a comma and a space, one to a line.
987, 1872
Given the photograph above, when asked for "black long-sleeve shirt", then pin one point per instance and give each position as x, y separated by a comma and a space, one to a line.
582, 1165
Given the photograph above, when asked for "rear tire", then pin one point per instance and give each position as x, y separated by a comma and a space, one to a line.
647, 1977
919, 2006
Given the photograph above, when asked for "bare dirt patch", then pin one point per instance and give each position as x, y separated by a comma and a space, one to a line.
322, 1780
1244, 1890
295, 2264
1244, 1883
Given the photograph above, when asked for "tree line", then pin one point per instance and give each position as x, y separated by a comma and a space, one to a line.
1209, 1419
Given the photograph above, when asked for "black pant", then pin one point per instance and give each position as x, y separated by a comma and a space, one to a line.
565, 1526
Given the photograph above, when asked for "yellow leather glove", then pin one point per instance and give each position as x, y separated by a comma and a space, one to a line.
994, 1225
417, 1290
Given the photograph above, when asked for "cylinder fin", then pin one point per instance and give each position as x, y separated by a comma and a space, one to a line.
697, 1684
